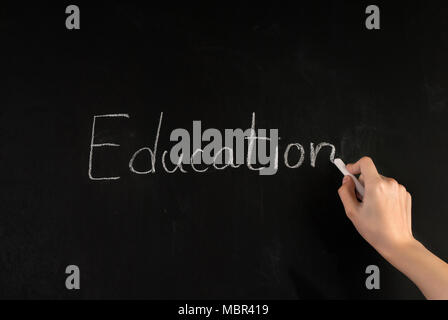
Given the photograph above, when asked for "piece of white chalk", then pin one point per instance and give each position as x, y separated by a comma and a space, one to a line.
341, 166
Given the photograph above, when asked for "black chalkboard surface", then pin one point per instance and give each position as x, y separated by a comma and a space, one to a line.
311, 70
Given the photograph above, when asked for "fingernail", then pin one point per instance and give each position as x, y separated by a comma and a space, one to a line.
345, 179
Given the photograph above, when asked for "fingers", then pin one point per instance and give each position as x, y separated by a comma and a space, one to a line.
403, 196
361, 179
364, 166
348, 197
408, 203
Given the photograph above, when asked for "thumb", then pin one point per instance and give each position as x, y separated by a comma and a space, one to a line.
348, 197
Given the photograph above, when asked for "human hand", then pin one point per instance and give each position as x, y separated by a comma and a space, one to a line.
383, 218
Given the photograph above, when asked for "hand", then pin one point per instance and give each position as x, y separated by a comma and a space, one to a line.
383, 218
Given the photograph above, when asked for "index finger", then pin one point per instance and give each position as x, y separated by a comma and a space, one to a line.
364, 166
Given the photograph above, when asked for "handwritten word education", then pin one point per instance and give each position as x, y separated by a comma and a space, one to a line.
206, 149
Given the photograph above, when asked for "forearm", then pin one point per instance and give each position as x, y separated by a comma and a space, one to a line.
427, 271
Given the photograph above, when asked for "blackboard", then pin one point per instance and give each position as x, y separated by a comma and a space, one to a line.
312, 70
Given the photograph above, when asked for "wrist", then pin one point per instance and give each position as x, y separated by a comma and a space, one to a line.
397, 249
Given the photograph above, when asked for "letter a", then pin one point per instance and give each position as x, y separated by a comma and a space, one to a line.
373, 281
373, 20
73, 280
72, 21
